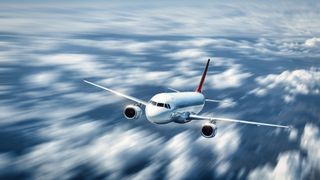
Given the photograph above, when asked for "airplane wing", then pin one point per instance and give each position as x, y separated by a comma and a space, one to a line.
213, 100
197, 117
118, 93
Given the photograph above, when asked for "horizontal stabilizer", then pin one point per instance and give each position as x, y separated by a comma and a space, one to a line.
173, 89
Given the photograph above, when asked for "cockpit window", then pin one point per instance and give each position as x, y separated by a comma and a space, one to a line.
167, 106
160, 104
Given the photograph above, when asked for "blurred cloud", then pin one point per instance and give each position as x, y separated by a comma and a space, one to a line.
188, 54
292, 164
48, 49
231, 78
187, 19
313, 42
292, 83
289, 167
42, 79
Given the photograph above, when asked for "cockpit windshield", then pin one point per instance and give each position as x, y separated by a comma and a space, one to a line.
167, 106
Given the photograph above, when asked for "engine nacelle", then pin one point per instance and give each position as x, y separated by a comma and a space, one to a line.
132, 112
208, 130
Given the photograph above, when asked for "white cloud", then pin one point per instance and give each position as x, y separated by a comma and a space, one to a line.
84, 64
188, 54
181, 166
292, 83
42, 79
226, 142
157, 19
289, 167
148, 172
124, 148
126, 45
293, 135
111, 152
291, 164
310, 142
223, 146
222, 168
227, 103
230, 78
313, 42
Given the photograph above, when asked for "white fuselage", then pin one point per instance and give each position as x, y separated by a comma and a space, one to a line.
164, 107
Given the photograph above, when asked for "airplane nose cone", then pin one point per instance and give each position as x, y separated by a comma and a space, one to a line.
155, 115
150, 112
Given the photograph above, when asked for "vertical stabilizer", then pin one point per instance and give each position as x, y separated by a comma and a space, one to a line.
199, 88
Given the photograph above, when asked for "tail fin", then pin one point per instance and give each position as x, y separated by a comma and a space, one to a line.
199, 88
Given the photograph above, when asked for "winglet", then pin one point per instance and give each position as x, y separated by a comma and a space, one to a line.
199, 88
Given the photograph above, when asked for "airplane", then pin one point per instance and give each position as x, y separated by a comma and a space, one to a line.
178, 107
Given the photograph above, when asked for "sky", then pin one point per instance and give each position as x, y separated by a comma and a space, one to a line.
265, 64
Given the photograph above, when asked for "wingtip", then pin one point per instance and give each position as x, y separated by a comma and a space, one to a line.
88, 82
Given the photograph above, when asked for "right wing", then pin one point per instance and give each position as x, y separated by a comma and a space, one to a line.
118, 93
197, 117
213, 100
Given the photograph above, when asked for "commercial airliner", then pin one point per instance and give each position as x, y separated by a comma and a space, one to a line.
178, 107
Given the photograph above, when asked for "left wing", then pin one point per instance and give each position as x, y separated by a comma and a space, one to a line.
197, 117
118, 93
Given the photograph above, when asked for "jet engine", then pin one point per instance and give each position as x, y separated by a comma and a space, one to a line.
132, 112
208, 130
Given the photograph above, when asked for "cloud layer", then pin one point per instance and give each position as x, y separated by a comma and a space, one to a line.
55, 126
292, 83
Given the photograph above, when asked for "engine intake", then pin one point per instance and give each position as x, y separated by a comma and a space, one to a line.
132, 112
209, 130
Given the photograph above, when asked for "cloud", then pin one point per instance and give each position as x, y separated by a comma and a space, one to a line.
227, 103
188, 54
310, 142
84, 64
292, 164
293, 134
42, 79
71, 146
230, 78
131, 46
55, 47
289, 167
291, 83
224, 145
312, 43
6, 165
175, 19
